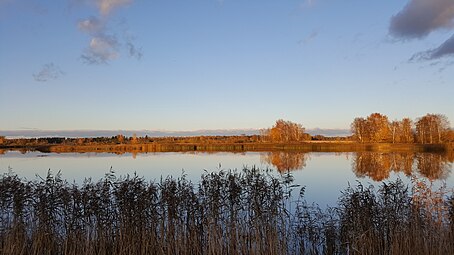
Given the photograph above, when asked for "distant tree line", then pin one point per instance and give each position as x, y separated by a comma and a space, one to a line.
376, 128
121, 139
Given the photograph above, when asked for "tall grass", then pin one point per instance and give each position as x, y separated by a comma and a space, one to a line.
250, 211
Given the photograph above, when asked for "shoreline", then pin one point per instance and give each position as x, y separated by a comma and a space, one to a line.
308, 146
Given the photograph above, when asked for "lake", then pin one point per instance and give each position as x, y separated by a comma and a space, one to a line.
323, 174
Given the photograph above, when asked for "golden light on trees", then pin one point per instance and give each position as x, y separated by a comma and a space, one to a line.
285, 131
432, 128
120, 138
429, 129
134, 139
375, 128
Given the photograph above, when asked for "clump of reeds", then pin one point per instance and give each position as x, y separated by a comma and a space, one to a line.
251, 211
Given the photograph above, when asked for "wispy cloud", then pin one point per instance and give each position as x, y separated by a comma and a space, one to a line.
48, 72
307, 4
101, 50
418, 19
105, 45
91, 25
133, 51
309, 38
444, 50
107, 6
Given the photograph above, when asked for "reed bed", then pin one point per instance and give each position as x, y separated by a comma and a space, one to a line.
251, 211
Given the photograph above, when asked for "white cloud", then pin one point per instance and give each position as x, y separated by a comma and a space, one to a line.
104, 45
107, 6
102, 49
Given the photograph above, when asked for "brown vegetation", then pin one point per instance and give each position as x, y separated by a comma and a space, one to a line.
229, 212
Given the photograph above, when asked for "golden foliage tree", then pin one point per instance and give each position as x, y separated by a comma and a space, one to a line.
406, 135
378, 127
401, 131
450, 136
134, 139
285, 131
375, 128
120, 138
432, 128
358, 128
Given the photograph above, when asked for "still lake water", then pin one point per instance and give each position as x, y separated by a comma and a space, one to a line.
323, 174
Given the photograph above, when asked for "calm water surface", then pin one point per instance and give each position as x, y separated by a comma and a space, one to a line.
323, 174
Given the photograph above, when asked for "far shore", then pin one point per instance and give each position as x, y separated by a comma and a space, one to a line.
306, 146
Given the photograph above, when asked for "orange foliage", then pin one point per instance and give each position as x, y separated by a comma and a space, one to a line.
285, 161
285, 131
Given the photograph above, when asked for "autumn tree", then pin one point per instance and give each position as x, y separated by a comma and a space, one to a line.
358, 128
80, 141
401, 131
450, 136
2, 139
432, 128
406, 135
120, 138
375, 128
395, 128
134, 139
285, 131
378, 127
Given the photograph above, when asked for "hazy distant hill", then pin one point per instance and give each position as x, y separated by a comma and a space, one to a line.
153, 133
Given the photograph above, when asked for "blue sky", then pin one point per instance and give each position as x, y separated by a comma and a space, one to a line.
211, 64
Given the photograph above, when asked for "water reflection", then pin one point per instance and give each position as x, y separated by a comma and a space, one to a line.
433, 166
285, 161
378, 166
375, 165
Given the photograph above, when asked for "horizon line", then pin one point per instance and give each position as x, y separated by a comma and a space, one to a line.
36, 133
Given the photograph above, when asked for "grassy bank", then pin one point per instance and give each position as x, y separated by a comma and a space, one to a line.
230, 212
312, 146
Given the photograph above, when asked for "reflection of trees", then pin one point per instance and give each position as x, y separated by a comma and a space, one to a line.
285, 161
378, 166
402, 162
433, 166
374, 165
